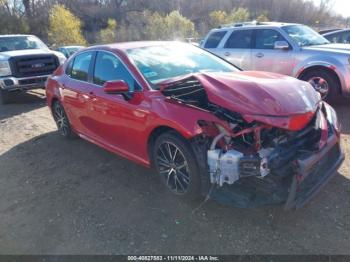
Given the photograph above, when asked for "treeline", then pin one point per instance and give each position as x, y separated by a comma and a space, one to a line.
100, 21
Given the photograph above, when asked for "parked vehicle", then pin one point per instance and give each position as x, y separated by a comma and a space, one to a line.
244, 138
325, 31
341, 36
290, 49
69, 50
25, 63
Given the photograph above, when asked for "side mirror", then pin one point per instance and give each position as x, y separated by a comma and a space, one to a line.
117, 87
281, 45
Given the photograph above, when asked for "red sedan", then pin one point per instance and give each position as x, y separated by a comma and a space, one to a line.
243, 138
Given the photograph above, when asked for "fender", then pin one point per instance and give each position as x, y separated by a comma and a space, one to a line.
173, 118
320, 61
52, 93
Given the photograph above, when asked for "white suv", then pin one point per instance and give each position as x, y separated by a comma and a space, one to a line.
290, 49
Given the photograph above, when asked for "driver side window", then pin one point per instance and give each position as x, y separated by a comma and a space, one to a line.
266, 38
108, 67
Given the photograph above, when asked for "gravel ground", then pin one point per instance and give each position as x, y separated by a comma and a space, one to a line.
72, 197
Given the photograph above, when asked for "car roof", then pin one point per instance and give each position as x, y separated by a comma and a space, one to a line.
329, 30
253, 24
71, 46
337, 31
132, 45
138, 44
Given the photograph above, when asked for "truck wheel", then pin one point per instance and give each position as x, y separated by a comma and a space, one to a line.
62, 121
325, 83
4, 96
176, 165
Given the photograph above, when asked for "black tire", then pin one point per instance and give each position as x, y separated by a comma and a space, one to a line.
183, 182
5, 97
332, 82
62, 121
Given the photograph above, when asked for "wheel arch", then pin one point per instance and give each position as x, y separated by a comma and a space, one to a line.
329, 69
156, 132
52, 101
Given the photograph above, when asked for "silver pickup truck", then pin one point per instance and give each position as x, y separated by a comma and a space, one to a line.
291, 49
25, 63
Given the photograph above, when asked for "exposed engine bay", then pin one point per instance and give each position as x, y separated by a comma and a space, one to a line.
260, 163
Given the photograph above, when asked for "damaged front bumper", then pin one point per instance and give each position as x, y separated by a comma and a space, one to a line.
314, 172
311, 174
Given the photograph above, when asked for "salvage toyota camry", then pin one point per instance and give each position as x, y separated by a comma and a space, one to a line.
248, 139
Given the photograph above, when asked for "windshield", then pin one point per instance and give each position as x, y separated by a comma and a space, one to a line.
11, 43
304, 35
158, 63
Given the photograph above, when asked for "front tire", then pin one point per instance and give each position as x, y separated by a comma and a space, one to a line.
62, 121
325, 83
174, 160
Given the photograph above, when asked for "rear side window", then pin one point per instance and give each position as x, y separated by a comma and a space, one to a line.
81, 65
341, 37
345, 37
214, 39
334, 38
240, 39
266, 38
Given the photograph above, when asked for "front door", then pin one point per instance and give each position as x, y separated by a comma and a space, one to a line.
116, 119
266, 58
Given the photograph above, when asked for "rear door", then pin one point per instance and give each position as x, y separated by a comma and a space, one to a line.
76, 91
266, 58
236, 48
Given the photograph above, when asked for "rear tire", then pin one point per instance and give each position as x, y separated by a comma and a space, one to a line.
62, 121
5, 97
324, 82
176, 165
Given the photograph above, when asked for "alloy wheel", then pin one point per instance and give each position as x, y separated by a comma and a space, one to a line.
173, 167
320, 85
61, 119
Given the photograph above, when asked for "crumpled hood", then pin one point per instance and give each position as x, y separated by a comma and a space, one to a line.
338, 48
259, 93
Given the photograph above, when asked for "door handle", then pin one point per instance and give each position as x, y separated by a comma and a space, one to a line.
227, 54
259, 55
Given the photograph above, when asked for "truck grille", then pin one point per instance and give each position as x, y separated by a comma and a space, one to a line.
33, 65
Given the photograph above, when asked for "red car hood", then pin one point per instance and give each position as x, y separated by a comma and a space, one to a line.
259, 93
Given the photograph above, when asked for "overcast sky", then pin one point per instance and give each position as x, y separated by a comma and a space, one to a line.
340, 6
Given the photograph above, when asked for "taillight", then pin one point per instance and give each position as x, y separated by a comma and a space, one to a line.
298, 122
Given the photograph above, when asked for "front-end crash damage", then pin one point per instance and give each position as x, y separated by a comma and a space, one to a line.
270, 145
